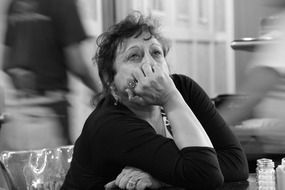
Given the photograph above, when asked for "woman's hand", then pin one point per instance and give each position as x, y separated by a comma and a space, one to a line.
133, 179
152, 86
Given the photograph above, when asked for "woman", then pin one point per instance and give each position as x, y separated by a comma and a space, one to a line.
129, 135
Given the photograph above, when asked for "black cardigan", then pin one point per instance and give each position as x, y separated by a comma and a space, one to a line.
113, 137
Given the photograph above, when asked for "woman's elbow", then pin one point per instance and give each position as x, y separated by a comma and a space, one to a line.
215, 179
205, 179
240, 174
235, 169
243, 172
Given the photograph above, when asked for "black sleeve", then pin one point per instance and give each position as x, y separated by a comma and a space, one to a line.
67, 22
129, 141
8, 33
230, 154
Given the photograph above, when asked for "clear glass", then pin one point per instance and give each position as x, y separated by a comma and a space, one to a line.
43, 169
280, 175
265, 174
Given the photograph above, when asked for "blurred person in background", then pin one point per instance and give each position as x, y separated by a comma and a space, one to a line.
2, 105
264, 86
43, 44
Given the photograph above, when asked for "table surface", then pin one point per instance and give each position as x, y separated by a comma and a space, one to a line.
250, 184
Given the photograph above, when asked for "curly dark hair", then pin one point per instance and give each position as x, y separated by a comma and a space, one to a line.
134, 24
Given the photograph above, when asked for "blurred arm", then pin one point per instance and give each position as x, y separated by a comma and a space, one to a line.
6, 59
81, 69
260, 80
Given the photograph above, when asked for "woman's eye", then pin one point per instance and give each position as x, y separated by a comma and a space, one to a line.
157, 53
134, 57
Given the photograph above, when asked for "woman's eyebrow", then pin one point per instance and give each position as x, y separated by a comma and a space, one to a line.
156, 44
124, 48
132, 47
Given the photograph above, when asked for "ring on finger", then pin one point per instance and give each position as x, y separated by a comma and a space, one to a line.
131, 183
132, 84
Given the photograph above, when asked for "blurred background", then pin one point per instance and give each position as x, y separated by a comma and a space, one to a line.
200, 31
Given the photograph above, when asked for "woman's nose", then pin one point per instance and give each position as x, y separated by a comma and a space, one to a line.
148, 59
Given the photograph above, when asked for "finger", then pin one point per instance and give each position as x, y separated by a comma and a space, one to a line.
131, 184
124, 179
136, 176
141, 185
110, 185
118, 178
133, 97
138, 100
138, 75
157, 70
130, 94
147, 70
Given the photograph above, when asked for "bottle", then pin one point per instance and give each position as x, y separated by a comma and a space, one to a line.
265, 174
280, 175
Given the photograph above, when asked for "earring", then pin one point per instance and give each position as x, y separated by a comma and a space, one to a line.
116, 97
116, 101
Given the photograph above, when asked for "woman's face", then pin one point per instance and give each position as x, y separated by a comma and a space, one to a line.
131, 55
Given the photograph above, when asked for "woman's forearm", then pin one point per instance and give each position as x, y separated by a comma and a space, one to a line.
186, 128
